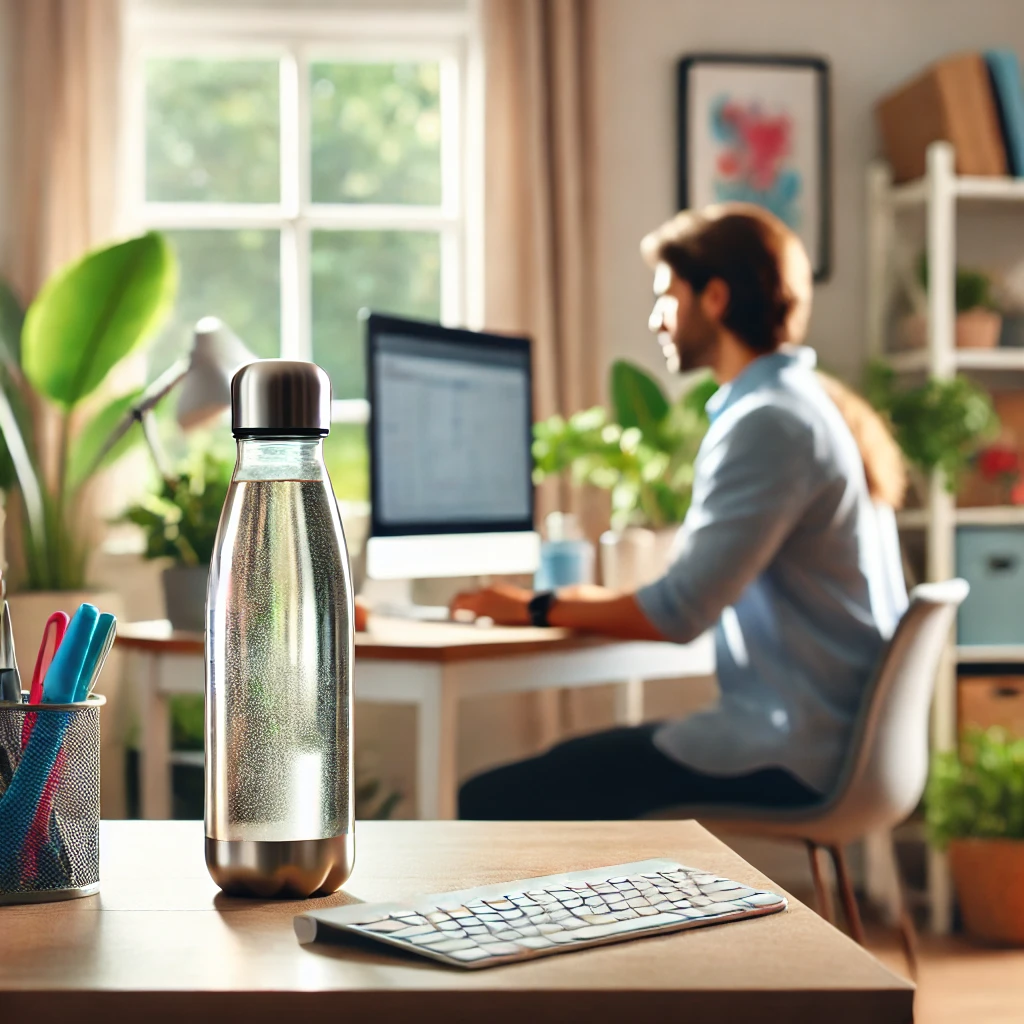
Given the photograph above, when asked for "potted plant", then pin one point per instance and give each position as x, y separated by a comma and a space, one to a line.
85, 320
940, 425
643, 453
180, 524
978, 321
975, 808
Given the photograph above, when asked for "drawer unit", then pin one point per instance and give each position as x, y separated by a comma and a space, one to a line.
991, 559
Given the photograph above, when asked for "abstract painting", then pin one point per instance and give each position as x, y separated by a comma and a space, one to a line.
756, 130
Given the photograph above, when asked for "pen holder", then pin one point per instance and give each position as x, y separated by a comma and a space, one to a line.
49, 801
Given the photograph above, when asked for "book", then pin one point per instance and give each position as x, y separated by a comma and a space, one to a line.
1004, 70
952, 100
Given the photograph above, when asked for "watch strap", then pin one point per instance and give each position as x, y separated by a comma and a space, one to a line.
539, 607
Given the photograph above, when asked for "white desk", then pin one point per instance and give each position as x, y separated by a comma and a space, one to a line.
433, 666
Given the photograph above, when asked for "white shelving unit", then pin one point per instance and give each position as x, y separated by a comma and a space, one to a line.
939, 195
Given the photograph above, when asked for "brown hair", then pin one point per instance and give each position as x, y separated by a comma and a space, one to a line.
884, 468
761, 261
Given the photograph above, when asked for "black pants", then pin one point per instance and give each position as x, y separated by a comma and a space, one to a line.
616, 775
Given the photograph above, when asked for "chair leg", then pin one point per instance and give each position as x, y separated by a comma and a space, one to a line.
846, 894
908, 933
821, 895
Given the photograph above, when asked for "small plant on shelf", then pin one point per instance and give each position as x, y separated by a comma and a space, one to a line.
975, 808
940, 425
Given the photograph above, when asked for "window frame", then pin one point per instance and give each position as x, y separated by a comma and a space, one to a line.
296, 39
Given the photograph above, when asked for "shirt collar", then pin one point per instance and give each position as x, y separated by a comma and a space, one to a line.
762, 371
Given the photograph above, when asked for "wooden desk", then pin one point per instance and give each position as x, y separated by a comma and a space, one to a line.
159, 944
433, 666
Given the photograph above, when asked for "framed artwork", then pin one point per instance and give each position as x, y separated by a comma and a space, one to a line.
756, 129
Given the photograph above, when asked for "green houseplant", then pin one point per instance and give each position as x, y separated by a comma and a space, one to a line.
84, 321
940, 425
643, 452
975, 808
180, 523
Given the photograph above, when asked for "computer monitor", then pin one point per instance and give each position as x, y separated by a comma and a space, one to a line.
451, 491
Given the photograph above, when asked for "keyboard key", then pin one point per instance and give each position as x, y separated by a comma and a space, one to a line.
598, 919
764, 899
385, 926
549, 929
730, 894
430, 939
604, 931
638, 902
449, 926
507, 934
500, 948
646, 911
625, 915
468, 955
500, 904
536, 942
451, 945
415, 929
438, 915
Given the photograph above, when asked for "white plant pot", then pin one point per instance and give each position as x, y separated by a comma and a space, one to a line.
635, 556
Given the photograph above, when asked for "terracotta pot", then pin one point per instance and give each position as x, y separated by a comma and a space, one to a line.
977, 328
989, 878
635, 556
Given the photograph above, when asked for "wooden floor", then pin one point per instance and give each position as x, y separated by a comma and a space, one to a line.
958, 982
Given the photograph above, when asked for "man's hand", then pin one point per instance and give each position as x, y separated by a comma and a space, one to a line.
504, 604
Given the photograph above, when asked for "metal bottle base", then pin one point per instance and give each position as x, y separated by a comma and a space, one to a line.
281, 870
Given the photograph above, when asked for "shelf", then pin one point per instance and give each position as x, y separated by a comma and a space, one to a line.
1002, 190
915, 360
991, 653
994, 515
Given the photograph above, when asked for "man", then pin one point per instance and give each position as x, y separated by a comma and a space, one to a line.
783, 551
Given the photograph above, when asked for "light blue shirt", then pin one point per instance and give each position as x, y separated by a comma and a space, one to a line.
785, 553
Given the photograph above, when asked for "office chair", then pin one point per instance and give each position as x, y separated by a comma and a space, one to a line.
886, 766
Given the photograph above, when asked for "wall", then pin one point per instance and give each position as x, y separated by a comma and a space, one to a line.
7, 143
872, 45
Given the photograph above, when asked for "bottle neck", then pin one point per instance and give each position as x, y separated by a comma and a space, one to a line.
280, 458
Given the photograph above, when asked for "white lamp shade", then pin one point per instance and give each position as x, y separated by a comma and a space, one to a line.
217, 354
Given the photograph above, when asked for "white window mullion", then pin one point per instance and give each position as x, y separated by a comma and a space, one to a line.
452, 307
291, 245
303, 232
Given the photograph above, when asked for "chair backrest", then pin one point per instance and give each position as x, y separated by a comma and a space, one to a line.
887, 764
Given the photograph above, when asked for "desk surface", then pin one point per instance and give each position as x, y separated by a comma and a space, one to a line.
159, 943
396, 640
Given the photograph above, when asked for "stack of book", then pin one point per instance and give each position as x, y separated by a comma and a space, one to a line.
973, 100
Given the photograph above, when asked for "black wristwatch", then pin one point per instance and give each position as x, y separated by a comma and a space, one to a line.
539, 607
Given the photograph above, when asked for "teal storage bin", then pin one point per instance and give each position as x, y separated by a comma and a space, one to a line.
991, 559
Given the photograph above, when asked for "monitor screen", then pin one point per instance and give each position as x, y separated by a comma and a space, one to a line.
450, 430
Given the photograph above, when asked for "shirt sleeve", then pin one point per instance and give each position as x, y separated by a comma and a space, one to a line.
752, 485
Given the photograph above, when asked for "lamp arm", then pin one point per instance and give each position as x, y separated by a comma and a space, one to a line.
148, 400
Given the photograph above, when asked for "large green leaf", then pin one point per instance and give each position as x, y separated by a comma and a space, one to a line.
638, 400
93, 313
94, 435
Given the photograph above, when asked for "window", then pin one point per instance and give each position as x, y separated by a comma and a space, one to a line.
305, 165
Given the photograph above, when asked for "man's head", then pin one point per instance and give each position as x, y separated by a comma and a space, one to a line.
728, 273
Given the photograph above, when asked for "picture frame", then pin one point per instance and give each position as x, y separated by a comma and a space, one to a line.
757, 128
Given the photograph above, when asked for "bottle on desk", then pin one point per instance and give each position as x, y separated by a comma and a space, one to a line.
279, 796
566, 556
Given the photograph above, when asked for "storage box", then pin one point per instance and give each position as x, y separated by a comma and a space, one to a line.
950, 100
991, 559
985, 701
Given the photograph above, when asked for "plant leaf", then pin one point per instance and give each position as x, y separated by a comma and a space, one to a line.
93, 313
638, 400
94, 435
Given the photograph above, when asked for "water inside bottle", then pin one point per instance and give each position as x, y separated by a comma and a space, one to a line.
280, 646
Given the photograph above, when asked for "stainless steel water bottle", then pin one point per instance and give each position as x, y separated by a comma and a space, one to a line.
279, 649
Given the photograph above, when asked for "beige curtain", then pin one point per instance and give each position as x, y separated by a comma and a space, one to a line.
68, 58
539, 195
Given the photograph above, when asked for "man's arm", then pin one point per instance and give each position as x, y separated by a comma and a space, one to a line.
591, 609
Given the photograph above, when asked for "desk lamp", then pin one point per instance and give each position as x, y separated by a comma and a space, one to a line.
217, 353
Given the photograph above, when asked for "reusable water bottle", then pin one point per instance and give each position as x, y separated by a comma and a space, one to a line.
279, 649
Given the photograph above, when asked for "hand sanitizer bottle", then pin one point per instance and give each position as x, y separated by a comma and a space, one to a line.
279, 648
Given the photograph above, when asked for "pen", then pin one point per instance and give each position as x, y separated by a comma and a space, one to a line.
99, 648
61, 683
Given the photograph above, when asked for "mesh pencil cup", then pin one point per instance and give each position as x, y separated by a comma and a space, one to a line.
49, 801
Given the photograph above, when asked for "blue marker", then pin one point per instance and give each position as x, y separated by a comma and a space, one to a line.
61, 683
99, 648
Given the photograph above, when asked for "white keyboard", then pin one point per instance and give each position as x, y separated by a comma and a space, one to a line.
497, 924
